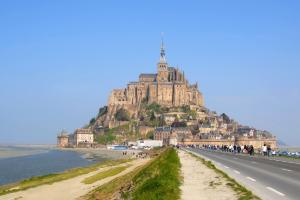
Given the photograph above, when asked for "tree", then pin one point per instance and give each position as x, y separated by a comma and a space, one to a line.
92, 121
150, 135
102, 111
122, 115
154, 107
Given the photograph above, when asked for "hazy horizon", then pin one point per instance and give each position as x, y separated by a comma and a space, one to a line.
60, 60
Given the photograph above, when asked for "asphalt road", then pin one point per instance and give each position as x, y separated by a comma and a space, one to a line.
268, 178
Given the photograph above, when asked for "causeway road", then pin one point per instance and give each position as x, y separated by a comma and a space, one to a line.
268, 178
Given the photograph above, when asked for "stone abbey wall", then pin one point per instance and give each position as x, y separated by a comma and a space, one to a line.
167, 89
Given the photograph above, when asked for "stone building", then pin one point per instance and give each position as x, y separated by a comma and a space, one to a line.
171, 135
63, 140
163, 134
83, 137
168, 87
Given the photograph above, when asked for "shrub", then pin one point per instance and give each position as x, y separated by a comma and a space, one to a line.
105, 139
185, 109
154, 107
122, 115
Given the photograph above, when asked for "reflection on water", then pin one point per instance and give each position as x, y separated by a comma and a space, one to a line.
52, 161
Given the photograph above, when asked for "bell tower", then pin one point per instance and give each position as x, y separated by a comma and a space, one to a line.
162, 66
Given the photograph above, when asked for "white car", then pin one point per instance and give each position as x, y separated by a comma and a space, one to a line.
134, 147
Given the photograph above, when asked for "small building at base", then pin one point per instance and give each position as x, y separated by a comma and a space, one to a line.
83, 137
63, 139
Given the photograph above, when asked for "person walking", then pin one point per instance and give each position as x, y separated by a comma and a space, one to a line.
251, 150
245, 149
239, 149
269, 150
265, 150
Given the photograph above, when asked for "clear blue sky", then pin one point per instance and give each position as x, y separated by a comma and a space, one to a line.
59, 60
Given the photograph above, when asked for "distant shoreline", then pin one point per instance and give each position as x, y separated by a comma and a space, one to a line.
94, 154
14, 151
20, 151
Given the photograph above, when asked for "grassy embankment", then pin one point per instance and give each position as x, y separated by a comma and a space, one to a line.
159, 179
102, 175
243, 193
52, 178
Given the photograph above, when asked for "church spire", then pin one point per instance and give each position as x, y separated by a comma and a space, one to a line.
162, 51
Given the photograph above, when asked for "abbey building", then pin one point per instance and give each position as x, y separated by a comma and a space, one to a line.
168, 87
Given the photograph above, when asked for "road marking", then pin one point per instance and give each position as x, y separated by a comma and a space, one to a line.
251, 179
288, 170
226, 167
237, 172
235, 158
253, 162
277, 192
287, 162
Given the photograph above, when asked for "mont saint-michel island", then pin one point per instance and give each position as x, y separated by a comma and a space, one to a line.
156, 139
164, 109
149, 100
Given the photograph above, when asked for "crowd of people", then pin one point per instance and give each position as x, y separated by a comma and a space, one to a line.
245, 149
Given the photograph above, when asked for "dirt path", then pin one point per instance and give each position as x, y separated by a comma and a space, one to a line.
200, 182
69, 189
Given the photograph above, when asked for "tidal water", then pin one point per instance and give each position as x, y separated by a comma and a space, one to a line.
14, 169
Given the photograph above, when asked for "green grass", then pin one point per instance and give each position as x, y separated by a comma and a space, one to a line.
52, 178
159, 179
109, 190
243, 193
104, 174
